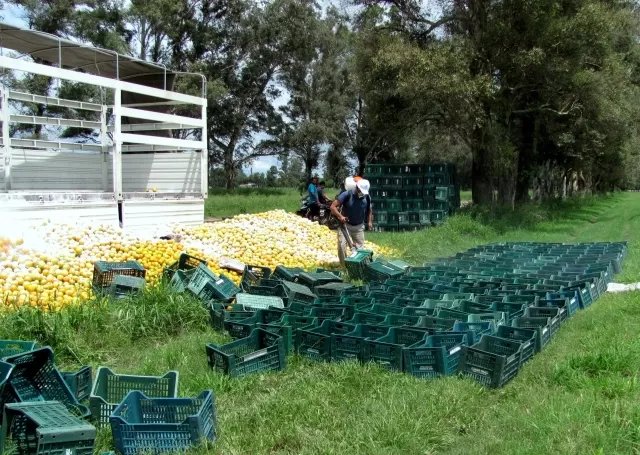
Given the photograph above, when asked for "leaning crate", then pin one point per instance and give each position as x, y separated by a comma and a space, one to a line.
45, 428
381, 271
541, 325
297, 292
356, 262
79, 382
287, 273
493, 361
109, 389
142, 424
313, 279
185, 263
257, 353
437, 356
180, 280
331, 289
388, 349
34, 377
105, 272
208, 286
287, 329
123, 286
315, 342
14, 347
254, 274
526, 336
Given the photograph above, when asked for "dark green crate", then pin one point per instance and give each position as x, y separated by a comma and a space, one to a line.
287, 273
45, 428
142, 424
380, 216
79, 382
436, 324
381, 271
336, 313
221, 313
254, 274
513, 309
332, 289
542, 326
315, 342
373, 170
34, 377
387, 192
380, 309
411, 205
412, 181
123, 286
386, 228
242, 328
526, 336
15, 347
312, 279
401, 320
403, 219
412, 192
356, 262
367, 318
417, 311
185, 263
475, 330
553, 314
287, 329
180, 280
299, 292
437, 356
492, 362
442, 193
109, 389
388, 349
257, 353
207, 286
105, 272
389, 204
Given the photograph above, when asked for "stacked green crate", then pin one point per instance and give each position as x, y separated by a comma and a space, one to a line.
409, 197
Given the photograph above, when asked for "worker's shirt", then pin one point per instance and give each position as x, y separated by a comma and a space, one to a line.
354, 208
313, 194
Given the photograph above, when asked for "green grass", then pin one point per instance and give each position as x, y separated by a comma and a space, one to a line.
222, 203
580, 396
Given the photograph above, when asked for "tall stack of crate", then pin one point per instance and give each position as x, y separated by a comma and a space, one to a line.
408, 197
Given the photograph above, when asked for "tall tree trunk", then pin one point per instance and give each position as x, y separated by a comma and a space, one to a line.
526, 157
229, 168
481, 174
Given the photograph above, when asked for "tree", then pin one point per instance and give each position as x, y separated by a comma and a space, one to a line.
272, 177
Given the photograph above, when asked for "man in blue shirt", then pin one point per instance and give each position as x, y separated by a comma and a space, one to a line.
356, 211
313, 201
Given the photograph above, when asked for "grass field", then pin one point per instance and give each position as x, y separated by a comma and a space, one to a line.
222, 203
580, 396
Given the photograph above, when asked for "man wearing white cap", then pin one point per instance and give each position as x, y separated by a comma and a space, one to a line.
356, 211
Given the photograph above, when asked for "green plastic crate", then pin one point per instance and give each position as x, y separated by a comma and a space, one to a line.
287, 273
257, 353
492, 362
242, 328
141, 424
298, 292
207, 286
287, 329
475, 330
350, 345
105, 272
313, 279
315, 342
79, 382
109, 389
356, 262
437, 356
388, 349
185, 263
259, 301
526, 336
332, 289
554, 315
15, 347
542, 326
45, 428
123, 286
254, 274
180, 280
221, 313
381, 271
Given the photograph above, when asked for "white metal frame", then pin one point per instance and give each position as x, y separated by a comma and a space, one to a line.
120, 133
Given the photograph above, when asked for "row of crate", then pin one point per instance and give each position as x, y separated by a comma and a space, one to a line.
44, 411
375, 170
426, 193
412, 181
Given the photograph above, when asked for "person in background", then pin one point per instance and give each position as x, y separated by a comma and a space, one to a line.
356, 211
321, 196
314, 201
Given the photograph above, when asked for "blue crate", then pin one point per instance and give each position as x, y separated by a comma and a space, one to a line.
159, 425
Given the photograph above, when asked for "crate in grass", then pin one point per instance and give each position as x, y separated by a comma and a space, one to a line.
475, 330
242, 328
388, 349
542, 326
45, 428
287, 273
14, 347
381, 271
437, 356
257, 353
572, 295
315, 342
34, 377
221, 313
142, 424
350, 345
207, 286
105, 272
185, 263
493, 361
297, 292
109, 389
258, 302
313, 279
555, 316
180, 280
526, 336
287, 329
79, 382
571, 305
254, 274
123, 286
